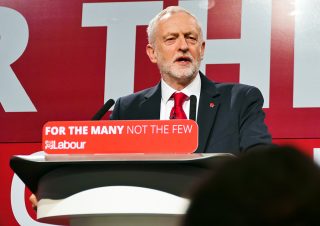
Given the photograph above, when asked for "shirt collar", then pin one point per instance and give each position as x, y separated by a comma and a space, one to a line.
192, 89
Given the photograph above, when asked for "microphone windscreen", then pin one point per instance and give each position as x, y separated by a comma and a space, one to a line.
106, 107
193, 107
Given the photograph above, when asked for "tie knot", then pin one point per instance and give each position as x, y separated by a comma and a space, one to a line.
177, 110
179, 98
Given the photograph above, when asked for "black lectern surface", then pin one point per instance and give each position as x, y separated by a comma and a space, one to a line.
172, 173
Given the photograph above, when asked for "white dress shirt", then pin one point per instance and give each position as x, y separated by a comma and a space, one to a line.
167, 102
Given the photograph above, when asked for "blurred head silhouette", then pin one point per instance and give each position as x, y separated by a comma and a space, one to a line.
271, 186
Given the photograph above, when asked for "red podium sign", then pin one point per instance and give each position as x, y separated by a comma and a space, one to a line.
110, 137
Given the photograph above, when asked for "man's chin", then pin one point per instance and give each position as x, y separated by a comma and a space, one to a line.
184, 74
183, 78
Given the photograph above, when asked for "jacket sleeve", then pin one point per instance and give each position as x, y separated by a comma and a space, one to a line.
253, 130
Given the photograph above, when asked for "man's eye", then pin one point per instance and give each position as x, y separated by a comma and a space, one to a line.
170, 40
192, 40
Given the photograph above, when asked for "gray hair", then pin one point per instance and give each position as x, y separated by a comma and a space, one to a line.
169, 10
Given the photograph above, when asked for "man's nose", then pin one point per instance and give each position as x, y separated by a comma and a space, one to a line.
183, 44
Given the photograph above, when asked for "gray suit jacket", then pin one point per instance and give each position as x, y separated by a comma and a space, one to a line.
234, 124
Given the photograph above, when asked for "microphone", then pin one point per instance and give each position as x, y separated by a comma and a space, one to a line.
103, 110
193, 107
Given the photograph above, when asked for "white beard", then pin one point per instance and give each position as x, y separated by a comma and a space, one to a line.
179, 73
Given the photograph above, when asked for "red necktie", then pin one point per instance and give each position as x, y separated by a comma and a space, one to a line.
177, 110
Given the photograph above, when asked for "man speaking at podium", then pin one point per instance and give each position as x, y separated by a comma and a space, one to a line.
230, 116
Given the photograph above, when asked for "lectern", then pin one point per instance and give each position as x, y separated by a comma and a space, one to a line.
115, 190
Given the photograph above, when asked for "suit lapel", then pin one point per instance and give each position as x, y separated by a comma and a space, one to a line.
150, 106
208, 108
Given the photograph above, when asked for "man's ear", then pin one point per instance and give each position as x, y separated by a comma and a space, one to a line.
151, 53
203, 47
